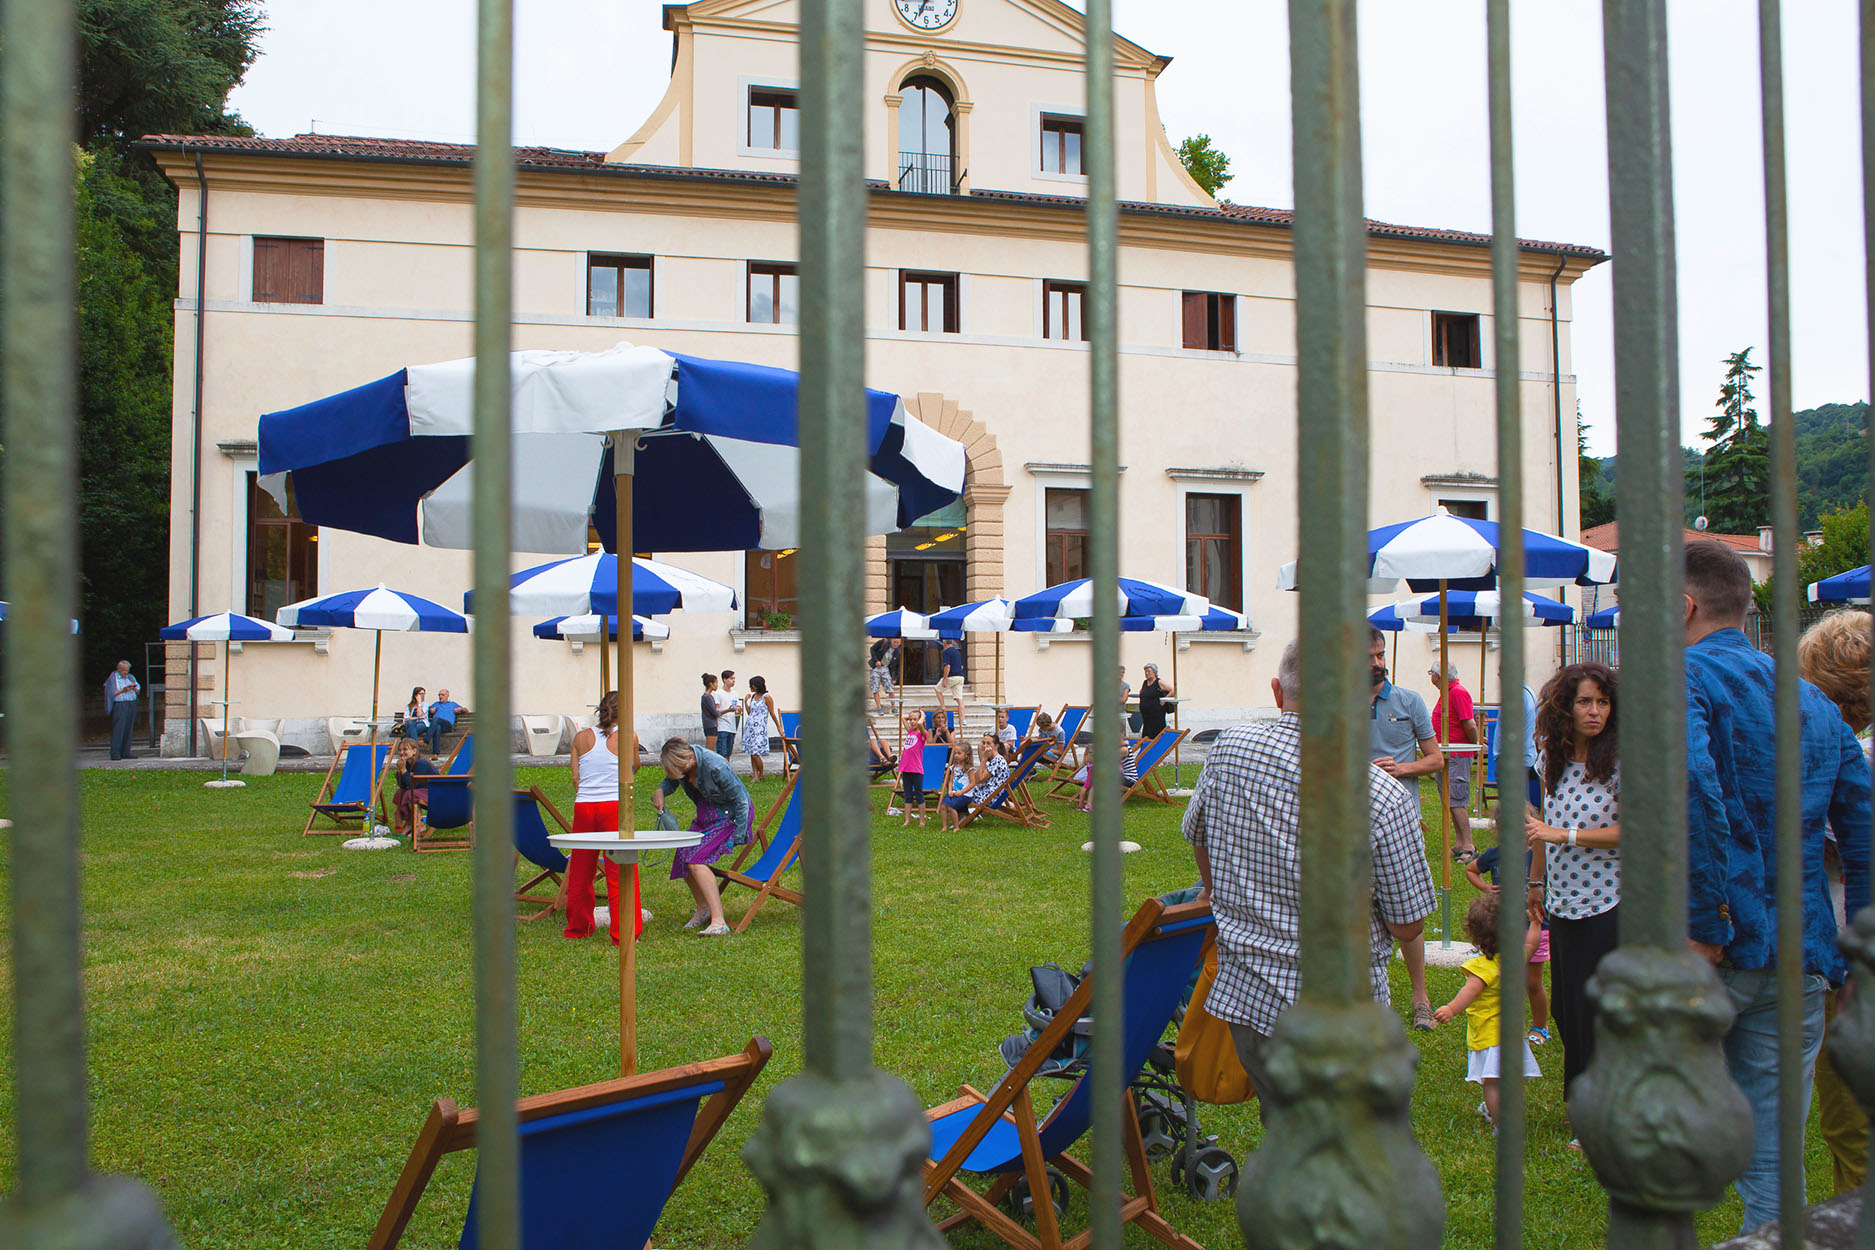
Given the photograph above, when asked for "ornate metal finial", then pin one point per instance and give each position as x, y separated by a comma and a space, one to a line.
842, 1161
1851, 1038
1339, 1168
1656, 1111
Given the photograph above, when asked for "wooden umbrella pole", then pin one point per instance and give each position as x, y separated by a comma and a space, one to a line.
605, 659
623, 454
227, 709
377, 665
1445, 714
1178, 781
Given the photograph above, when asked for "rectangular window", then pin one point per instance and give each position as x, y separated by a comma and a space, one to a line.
774, 294
1470, 509
618, 286
289, 271
1210, 322
1065, 517
1455, 341
774, 120
282, 552
1061, 310
770, 597
927, 302
1061, 145
1214, 548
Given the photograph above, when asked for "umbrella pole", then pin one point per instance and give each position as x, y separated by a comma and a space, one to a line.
1477, 759
1178, 781
1445, 739
377, 781
605, 659
227, 709
622, 462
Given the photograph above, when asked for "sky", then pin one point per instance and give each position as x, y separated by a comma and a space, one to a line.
589, 71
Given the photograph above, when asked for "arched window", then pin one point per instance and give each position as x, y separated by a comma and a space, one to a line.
927, 138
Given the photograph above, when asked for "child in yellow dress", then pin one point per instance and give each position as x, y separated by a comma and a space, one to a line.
1479, 1001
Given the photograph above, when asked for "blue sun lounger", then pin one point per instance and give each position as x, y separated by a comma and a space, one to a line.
1020, 718
628, 1143
531, 844
1151, 755
997, 1135
1010, 799
451, 807
783, 846
348, 801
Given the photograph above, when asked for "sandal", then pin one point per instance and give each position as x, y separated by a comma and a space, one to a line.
697, 919
1423, 1018
715, 930
1461, 856
1536, 1037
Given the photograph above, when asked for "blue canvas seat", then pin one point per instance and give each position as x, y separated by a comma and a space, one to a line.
780, 843
937, 764
1151, 755
1010, 800
1487, 790
1020, 718
996, 1135
352, 788
790, 741
631, 1140
531, 809
1067, 762
447, 821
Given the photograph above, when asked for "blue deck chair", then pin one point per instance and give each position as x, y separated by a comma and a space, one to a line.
531, 844
1061, 773
930, 720
1487, 790
790, 730
779, 851
1010, 800
451, 806
1151, 755
997, 1135
631, 1140
353, 786
937, 766
1020, 718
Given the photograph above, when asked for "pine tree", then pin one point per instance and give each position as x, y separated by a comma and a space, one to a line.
1208, 167
1738, 456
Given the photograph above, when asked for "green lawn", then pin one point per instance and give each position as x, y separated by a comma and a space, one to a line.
270, 1016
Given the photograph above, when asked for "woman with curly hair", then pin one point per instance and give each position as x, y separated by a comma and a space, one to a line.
1575, 863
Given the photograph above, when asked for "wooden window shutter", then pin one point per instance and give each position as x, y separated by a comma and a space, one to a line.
266, 270
1194, 307
1226, 322
309, 286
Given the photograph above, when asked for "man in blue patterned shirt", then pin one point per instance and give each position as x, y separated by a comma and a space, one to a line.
1731, 806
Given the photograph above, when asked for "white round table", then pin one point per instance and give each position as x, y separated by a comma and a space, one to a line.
627, 850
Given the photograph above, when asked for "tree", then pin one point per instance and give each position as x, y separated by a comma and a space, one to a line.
1208, 167
156, 66
1844, 547
1738, 459
1595, 506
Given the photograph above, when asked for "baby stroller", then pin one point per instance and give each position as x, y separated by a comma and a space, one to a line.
1168, 1115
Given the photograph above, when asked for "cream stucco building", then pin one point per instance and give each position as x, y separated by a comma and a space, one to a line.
329, 261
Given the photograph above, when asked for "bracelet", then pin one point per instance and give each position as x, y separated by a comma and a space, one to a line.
1534, 884
1572, 836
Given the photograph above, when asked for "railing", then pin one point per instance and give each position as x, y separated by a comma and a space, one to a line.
840, 1146
926, 173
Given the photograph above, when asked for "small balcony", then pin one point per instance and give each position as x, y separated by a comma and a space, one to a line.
928, 173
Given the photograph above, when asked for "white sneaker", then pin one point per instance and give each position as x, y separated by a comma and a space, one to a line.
715, 930
644, 915
893, 811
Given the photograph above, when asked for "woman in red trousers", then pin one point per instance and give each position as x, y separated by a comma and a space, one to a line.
595, 809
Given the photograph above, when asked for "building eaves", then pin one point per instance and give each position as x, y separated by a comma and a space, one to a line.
357, 148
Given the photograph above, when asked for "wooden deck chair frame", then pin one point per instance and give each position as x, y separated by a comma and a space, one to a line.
425, 840
348, 820
1015, 807
1150, 784
759, 843
790, 746
1062, 774
885, 776
448, 1130
523, 893
1011, 1101
769, 887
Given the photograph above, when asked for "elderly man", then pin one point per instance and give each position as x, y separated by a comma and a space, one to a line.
1453, 718
1731, 813
442, 719
120, 697
1242, 826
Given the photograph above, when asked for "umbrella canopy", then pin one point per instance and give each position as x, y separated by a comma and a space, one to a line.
589, 585
991, 616
1462, 552
1607, 618
1138, 597
226, 627
1389, 619
586, 628
900, 623
392, 458
1850, 587
1477, 609
381, 609
1212, 619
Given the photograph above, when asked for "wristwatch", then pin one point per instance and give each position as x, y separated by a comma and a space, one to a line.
1572, 836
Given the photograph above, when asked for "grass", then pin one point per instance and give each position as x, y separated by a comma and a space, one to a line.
270, 1017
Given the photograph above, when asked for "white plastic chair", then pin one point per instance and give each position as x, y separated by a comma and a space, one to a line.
263, 751
342, 731
213, 732
543, 735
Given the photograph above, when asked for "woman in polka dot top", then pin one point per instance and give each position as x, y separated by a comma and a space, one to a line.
1576, 861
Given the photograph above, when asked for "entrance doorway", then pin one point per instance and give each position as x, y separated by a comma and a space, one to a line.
924, 585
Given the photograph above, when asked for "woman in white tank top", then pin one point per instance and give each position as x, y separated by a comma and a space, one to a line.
595, 770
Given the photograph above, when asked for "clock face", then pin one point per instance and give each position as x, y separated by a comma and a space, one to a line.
927, 14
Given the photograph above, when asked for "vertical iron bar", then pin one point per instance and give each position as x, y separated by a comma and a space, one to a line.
498, 1143
42, 550
1792, 1094
1660, 1004
840, 1147
1103, 566
1507, 371
1851, 1037
1341, 1067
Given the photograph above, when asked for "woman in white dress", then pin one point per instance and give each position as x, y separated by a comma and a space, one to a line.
758, 715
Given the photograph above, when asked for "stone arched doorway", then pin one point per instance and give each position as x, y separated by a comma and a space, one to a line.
985, 492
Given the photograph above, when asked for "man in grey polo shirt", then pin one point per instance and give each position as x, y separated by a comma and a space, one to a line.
1403, 747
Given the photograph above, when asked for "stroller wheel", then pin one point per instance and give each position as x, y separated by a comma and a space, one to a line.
1158, 1132
1212, 1176
1021, 1204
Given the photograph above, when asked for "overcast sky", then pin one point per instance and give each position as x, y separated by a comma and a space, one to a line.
589, 71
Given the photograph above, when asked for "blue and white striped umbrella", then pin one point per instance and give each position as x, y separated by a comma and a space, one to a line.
900, 623
586, 627
379, 609
1471, 610
1607, 618
1137, 597
985, 616
1389, 619
589, 585
1042, 625
1212, 620
391, 458
1850, 587
226, 627
1462, 552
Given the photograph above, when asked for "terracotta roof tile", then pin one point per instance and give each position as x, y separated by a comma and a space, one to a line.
412, 151
1608, 538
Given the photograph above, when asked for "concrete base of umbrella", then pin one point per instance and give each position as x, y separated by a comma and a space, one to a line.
1126, 848
225, 783
370, 842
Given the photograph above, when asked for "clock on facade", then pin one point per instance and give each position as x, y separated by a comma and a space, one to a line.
927, 14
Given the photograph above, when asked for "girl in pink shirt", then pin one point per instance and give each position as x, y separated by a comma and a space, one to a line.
911, 767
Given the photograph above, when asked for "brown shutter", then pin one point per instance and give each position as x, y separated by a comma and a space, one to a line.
1194, 309
1476, 358
311, 289
1226, 322
266, 271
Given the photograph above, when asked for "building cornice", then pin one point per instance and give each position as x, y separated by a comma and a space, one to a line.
1477, 481
1216, 473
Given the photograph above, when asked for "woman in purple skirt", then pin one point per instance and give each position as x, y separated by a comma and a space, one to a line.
725, 818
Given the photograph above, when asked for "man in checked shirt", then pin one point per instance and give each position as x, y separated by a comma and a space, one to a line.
1242, 826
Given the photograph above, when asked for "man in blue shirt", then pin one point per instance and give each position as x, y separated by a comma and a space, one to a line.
951, 678
1403, 746
1533, 786
1731, 803
442, 719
